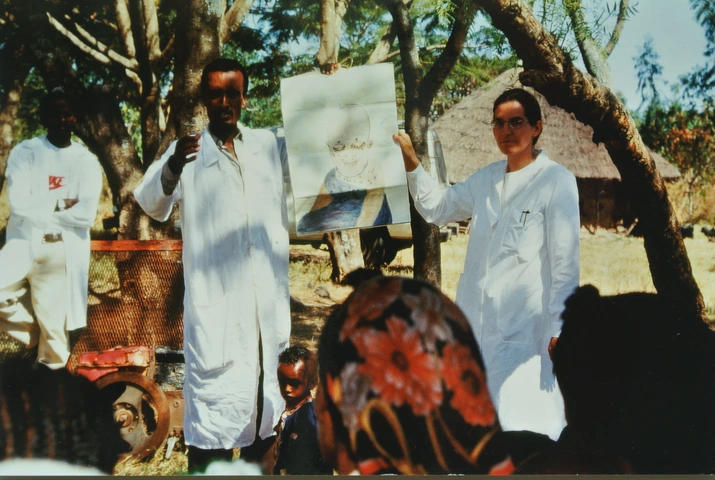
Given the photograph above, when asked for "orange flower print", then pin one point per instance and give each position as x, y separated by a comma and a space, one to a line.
400, 369
427, 313
369, 302
466, 380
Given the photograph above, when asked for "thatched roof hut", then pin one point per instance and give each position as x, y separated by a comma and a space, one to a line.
468, 145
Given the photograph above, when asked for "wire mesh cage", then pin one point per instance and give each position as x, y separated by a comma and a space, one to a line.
136, 291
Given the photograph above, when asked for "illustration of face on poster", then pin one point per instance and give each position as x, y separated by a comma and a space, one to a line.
349, 145
346, 171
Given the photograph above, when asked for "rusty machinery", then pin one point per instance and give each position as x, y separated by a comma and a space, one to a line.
134, 338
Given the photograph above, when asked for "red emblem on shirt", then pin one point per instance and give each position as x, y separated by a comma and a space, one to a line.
56, 182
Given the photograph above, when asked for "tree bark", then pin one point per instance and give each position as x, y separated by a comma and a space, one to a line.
550, 71
145, 33
197, 43
345, 253
331, 21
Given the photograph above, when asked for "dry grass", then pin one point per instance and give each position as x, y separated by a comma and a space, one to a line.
613, 263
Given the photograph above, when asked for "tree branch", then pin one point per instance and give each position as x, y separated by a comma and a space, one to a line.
382, 49
151, 27
102, 48
617, 29
103, 59
233, 18
331, 21
592, 53
124, 25
442, 67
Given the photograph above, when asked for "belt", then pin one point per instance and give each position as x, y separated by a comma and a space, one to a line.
51, 238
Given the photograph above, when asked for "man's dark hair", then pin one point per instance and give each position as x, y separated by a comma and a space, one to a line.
51, 99
532, 109
224, 65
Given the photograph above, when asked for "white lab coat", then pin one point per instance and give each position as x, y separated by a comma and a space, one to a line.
522, 263
235, 255
32, 211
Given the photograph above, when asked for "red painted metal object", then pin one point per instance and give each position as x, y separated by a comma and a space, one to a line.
94, 365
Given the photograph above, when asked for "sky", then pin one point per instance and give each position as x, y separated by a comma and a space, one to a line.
678, 39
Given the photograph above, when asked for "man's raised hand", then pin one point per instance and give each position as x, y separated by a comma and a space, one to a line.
185, 151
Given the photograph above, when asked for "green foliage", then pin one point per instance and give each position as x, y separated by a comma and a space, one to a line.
682, 129
649, 72
700, 84
132, 120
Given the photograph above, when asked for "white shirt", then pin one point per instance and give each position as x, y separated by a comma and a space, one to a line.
38, 174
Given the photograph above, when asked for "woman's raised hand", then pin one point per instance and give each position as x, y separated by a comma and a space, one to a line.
408, 151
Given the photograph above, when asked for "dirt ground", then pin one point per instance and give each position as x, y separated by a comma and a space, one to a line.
313, 295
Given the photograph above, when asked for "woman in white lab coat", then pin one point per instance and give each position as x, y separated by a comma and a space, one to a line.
522, 260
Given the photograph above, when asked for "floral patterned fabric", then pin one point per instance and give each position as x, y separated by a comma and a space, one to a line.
405, 383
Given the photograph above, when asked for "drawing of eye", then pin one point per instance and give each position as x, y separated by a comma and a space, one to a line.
338, 146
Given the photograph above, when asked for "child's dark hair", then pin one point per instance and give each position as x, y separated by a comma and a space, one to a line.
532, 109
295, 354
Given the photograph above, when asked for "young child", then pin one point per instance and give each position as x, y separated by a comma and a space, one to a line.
297, 448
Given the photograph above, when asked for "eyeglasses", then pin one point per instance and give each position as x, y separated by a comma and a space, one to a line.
514, 123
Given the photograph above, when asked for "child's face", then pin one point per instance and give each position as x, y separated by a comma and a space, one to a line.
293, 383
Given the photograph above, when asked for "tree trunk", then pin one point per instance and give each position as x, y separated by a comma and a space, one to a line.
344, 246
425, 236
102, 128
345, 253
197, 43
331, 21
145, 32
419, 94
550, 71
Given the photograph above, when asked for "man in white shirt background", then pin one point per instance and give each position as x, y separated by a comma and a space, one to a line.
54, 185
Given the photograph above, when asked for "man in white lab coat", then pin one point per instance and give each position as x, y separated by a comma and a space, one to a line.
54, 185
522, 260
228, 183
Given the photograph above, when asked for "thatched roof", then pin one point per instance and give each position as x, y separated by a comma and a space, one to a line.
468, 142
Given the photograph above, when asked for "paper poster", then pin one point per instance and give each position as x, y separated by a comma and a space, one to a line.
346, 170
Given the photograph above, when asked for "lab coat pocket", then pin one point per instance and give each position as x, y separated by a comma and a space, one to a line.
207, 334
524, 235
520, 312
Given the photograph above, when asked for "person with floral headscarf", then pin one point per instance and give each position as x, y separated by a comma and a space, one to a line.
402, 386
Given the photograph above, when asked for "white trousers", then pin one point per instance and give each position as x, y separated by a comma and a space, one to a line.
44, 301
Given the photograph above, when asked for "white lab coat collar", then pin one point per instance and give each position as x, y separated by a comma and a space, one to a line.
210, 152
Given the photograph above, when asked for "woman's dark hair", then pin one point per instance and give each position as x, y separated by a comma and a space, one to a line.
224, 65
532, 110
